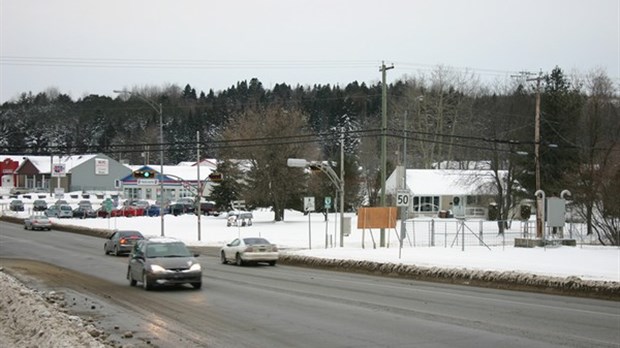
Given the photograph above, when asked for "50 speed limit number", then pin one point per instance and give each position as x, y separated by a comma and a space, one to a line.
402, 199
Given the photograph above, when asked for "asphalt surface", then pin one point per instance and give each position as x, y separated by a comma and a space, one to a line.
284, 306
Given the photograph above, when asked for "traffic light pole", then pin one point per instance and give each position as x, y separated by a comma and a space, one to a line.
158, 108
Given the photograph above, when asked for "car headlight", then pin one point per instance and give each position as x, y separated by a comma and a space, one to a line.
157, 269
195, 267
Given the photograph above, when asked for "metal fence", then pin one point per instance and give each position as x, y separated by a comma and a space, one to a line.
456, 233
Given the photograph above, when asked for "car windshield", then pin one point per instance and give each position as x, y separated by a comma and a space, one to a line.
167, 250
255, 241
65, 207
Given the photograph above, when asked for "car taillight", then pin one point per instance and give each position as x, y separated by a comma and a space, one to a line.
122, 241
249, 249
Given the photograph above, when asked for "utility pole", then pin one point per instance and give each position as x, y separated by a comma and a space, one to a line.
539, 202
383, 70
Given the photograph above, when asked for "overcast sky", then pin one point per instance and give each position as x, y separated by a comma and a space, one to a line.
86, 47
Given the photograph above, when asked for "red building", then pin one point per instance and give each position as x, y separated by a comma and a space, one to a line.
8, 174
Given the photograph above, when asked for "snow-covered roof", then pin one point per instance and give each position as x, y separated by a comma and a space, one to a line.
43, 163
188, 173
444, 182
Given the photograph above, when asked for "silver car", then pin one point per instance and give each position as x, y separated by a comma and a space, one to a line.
37, 222
249, 250
163, 261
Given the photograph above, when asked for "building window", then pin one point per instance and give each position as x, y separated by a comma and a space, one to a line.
426, 204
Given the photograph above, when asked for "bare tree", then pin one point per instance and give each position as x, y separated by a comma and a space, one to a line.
266, 138
593, 183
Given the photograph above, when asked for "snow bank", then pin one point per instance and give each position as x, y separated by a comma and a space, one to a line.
572, 285
29, 318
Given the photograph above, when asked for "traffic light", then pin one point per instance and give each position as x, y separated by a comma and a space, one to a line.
144, 174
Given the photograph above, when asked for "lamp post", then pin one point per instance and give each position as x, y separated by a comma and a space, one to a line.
331, 174
156, 107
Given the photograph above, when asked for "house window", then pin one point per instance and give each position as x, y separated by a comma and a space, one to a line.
426, 204
473, 200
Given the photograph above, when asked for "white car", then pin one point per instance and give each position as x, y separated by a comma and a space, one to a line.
246, 250
37, 222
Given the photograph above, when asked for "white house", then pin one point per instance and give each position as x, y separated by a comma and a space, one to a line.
465, 193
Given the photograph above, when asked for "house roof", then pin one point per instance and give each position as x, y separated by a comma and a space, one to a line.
184, 172
444, 182
43, 163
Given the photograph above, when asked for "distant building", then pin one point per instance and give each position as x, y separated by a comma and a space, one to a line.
94, 172
464, 193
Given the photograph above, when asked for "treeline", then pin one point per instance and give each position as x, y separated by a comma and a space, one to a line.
443, 117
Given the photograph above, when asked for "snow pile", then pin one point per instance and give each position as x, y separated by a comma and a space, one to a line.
32, 319
571, 285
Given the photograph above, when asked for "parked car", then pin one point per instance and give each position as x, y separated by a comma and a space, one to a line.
186, 200
60, 211
163, 261
37, 222
102, 212
121, 242
209, 208
61, 202
239, 218
84, 211
181, 208
141, 204
153, 210
16, 205
128, 211
39, 205
249, 250
86, 204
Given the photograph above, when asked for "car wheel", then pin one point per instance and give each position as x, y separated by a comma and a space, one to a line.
238, 260
197, 286
105, 250
25, 227
116, 252
145, 282
132, 282
272, 263
223, 258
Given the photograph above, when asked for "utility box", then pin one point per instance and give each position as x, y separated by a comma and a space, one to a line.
556, 212
346, 226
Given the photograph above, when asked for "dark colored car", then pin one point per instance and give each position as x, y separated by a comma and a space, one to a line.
181, 208
39, 205
163, 261
83, 212
209, 208
16, 205
102, 212
121, 242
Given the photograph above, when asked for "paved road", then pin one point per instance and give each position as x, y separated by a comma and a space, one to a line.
282, 306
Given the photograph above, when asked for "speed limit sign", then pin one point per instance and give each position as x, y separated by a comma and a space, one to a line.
402, 199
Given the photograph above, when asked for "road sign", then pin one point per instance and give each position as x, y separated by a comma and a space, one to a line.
308, 203
327, 202
402, 199
107, 205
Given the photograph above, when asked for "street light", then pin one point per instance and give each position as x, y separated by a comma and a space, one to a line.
338, 182
156, 107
